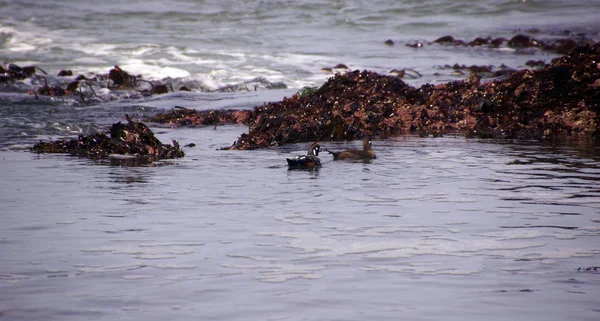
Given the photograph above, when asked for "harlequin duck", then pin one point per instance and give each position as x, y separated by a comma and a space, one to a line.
311, 159
366, 153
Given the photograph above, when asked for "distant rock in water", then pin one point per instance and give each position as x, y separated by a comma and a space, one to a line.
561, 99
182, 116
519, 42
133, 138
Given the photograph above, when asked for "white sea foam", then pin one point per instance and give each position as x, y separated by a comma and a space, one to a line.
144, 50
93, 49
26, 37
183, 55
149, 70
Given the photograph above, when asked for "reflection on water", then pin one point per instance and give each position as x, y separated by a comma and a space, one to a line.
129, 175
312, 171
236, 235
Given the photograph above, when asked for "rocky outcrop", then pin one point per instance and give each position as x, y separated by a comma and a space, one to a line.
181, 116
133, 138
563, 98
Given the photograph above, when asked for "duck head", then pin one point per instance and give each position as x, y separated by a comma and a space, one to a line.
367, 143
314, 149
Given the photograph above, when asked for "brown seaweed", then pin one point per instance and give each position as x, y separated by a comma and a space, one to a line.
563, 98
132, 138
181, 116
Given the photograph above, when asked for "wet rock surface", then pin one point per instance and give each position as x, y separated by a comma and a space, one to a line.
562, 98
591, 269
115, 84
81, 85
132, 138
521, 42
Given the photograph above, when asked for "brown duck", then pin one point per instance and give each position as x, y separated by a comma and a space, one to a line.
366, 153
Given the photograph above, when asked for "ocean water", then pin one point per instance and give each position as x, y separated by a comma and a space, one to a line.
433, 229
225, 42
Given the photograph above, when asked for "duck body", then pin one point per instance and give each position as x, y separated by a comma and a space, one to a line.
311, 158
304, 161
353, 154
356, 154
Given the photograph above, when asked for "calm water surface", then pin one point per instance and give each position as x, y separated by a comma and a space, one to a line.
443, 228
433, 229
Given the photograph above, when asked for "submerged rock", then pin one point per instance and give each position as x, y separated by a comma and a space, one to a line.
133, 138
563, 98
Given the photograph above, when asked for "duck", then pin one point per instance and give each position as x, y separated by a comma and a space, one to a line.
356, 154
311, 158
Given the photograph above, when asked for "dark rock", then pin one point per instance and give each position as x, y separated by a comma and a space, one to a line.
51, 91
563, 46
504, 72
13, 68
416, 44
479, 41
190, 117
63, 73
133, 138
497, 42
119, 77
523, 41
29, 70
160, 89
445, 40
15, 72
535, 63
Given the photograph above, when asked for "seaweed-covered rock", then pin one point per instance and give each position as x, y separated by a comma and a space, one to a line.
561, 99
133, 138
345, 107
182, 116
